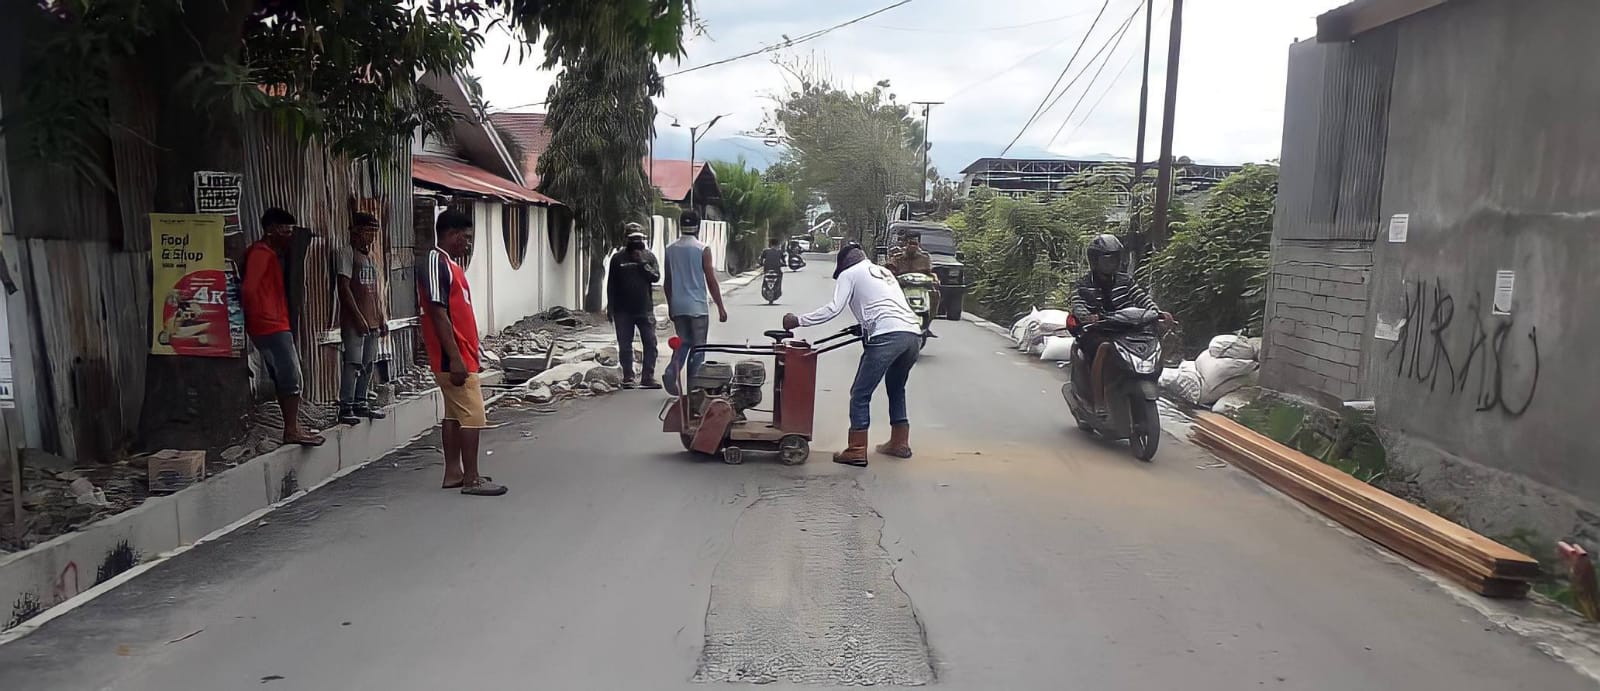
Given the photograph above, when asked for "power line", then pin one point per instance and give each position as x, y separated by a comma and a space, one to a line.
1090, 86
1008, 27
1090, 113
1063, 75
991, 77
1113, 43
788, 42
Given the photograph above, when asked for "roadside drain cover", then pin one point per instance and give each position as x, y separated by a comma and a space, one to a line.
806, 595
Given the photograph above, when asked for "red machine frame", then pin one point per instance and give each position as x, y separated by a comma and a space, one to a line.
706, 424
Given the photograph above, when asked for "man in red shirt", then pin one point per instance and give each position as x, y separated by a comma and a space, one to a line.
266, 319
450, 332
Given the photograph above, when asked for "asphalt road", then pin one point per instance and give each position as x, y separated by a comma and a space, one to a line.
1011, 553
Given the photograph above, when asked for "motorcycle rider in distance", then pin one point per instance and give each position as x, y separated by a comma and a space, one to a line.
910, 259
1102, 291
773, 259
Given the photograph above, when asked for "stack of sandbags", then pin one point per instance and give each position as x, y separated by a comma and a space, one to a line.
1228, 365
1030, 332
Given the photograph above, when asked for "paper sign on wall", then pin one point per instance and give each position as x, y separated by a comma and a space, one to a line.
218, 193
1399, 226
1505, 283
1386, 330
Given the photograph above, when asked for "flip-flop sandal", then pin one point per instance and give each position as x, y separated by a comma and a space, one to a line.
484, 488
862, 463
307, 441
457, 484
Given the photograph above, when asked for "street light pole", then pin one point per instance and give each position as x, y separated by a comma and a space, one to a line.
927, 127
1164, 173
695, 133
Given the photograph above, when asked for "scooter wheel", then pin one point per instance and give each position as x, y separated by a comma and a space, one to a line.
733, 455
794, 450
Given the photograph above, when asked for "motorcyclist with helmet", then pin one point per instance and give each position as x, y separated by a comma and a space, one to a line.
1104, 290
909, 257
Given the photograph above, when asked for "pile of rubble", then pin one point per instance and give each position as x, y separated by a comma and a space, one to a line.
58, 497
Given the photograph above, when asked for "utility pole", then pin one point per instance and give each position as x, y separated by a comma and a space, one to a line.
1135, 233
1164, 173
695, 133
927, 127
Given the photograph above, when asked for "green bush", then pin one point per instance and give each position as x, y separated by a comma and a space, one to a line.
1212, 274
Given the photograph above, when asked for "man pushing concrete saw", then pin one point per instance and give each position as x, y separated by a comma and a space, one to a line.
891, 334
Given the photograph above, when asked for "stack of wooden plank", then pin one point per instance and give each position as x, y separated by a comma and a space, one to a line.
1483, 565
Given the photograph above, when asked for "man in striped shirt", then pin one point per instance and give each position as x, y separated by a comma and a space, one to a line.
1102, 291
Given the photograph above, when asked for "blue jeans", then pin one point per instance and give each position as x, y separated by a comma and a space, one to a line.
692, 331
360, 351
886, 358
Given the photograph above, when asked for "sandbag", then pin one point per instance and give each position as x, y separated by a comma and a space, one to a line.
1229, 346
1056, 349
1221, 376
1182, 381
1021, 329
1044, 324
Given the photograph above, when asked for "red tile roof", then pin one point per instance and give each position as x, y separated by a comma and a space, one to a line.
531, 132
464, 177
673, 177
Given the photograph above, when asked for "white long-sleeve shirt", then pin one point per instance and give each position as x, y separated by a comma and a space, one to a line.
874, 297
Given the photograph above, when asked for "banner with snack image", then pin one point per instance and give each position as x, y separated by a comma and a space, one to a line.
189, 286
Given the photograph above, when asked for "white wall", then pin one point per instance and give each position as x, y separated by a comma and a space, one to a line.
558, 282
486, 241
516, 291
714, 233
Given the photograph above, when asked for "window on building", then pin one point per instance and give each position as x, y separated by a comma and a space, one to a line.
514, 226
560, 232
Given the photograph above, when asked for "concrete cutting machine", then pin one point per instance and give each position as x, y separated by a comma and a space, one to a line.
709, 413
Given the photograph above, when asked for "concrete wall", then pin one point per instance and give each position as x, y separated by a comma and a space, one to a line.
501, 294
1489, 145
1495, 155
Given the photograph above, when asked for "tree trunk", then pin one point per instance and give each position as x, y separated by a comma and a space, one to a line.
190, 402
594, 296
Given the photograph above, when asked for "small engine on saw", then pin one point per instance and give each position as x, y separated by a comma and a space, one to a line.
739, 382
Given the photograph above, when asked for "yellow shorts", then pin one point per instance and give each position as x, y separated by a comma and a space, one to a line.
464, 404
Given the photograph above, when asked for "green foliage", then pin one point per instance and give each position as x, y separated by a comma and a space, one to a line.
1212, 274
1025, 253
849, 148
754, 207
601, 119
339, 72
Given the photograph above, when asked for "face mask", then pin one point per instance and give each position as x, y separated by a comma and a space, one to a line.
636, 245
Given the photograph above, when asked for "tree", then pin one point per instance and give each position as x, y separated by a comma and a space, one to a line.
851, 149
601, 120
754, 207
1212, 274
172, 78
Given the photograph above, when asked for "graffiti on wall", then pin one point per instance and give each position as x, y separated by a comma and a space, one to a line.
1487, 356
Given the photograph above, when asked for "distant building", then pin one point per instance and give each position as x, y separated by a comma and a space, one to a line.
1019, 177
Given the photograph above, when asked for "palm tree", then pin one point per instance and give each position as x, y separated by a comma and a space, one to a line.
601, 120
753, 206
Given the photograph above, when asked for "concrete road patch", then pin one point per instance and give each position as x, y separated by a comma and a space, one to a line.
806, 594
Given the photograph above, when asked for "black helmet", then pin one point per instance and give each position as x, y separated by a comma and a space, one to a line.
1104, 254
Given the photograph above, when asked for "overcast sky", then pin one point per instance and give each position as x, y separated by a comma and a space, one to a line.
991, 63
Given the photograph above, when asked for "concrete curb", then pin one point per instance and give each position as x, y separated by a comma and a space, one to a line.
72, 569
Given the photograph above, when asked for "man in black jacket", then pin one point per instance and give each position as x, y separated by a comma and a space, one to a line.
629, 291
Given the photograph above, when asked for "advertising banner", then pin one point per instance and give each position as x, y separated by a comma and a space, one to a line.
189, 286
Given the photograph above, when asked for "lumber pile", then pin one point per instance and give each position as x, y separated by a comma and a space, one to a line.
1482, 565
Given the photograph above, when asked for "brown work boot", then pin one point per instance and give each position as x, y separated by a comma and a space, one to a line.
899, 444
854, 454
